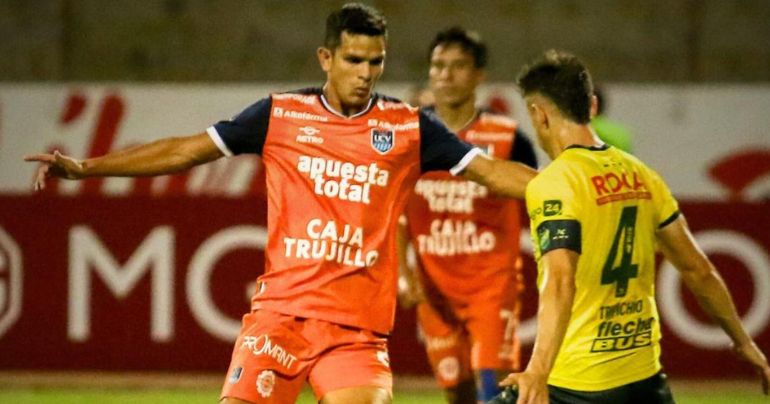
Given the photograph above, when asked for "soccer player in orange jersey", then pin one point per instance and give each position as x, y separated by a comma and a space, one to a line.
465, 237
339, 161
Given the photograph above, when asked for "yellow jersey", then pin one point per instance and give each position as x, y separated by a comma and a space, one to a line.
606, 205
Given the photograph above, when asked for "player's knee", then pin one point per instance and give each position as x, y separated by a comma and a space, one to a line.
228, 400
358, 395
462, 393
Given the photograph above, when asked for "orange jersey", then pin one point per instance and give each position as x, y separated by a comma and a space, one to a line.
466, 238
335, 187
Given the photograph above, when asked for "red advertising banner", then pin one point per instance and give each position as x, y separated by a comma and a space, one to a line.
146, 283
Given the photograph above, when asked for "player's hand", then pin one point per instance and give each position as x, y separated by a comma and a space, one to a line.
410, 292
533, 387
751, 353
55, 165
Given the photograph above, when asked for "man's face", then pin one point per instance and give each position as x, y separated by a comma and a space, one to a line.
354, 67
453, 75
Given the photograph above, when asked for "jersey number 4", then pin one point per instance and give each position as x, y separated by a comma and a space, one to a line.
623, 243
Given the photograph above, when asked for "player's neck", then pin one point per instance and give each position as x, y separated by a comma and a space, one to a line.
334, 102
574, 134
457, 117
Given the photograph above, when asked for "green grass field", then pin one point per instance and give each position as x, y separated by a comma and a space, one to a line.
193, 396
191, 388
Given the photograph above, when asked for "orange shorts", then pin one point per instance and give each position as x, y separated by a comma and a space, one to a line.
275, 353
461, 340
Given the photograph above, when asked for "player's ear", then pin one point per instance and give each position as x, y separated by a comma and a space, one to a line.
324, 58
539, 116
594, 106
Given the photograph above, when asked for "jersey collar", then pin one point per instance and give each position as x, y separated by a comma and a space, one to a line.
604, 146
341, 115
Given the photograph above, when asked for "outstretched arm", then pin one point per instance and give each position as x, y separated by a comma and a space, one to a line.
700, 276
505, 178
553, 314
165, 156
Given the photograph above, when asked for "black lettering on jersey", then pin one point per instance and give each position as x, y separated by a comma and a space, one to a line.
555, 234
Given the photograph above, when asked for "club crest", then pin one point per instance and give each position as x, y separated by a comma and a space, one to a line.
383, 140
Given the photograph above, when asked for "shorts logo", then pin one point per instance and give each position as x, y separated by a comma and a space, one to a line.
383, 357
382, 140
236, 375
265, 383
449, 369
552, 207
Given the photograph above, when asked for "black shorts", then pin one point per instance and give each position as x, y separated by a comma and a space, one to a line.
652, 390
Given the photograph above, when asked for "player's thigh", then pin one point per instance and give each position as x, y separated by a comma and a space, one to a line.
269, 363
447, 346
228, 400
358, 395
359, 362
653, 390
492, 329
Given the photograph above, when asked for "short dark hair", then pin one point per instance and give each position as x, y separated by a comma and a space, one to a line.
562, 78
469, 41
354, 18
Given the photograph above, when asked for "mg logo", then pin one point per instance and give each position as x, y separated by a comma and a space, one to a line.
10, 282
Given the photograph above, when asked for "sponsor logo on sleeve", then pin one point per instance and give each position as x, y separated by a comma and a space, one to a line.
552, 207
544, 236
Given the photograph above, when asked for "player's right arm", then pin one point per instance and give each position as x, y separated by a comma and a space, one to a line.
165, 156
554, 310
245, 133
702, 278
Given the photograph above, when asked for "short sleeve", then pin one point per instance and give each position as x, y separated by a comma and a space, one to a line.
522, 150
246, 132
553, 217
666, 205
440, 149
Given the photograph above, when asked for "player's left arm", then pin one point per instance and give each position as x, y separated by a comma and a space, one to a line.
702, 278
555, 305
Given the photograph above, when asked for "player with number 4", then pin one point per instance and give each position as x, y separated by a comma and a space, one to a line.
597, 214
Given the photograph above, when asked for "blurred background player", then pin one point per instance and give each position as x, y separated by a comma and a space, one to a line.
597, 215
610, 132
421, 96
337, 179
465, 236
